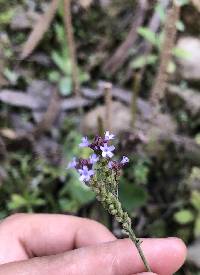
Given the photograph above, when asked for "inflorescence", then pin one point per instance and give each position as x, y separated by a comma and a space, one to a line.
101, 150
102, 173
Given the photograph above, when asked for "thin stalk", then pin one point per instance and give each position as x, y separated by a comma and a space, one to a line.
71, 45
108, 102
135, 94
137, 243
170, 31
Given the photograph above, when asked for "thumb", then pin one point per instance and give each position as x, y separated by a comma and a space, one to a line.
120, 257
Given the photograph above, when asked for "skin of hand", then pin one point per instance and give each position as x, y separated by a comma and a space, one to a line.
46, 244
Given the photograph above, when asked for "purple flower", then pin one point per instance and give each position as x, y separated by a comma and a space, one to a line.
84, 142
93, 158
107, 150
110, 164
124, 160
109, 136
85, 173
72, 164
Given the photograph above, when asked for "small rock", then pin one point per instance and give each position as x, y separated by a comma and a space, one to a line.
189, 67
85, 3
193, 253
105, 3
153, 126
188, 99
23, 19
121, 118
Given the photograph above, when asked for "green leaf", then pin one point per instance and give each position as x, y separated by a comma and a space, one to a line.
171, 68
197, 227
148, 35
181, 53
6, 16
54, 76
180, 26
80, 192
195, 200
197, 138
132, 196
83, 76
16, 202
65, 86
140, 172
68, 205
11, 76
38, 202
77, 191
141, 61
60, 33
62, 62
184, 216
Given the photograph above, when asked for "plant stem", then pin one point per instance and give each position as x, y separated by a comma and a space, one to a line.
108, 103
135, 93
112, 204
170, 31
72, 46
137, 243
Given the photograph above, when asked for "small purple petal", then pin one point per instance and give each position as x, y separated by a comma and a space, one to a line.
110, 154
107, 150
124, 160
91, 173
111, 148
72, 164
93, 158
109, 136
84, 142
85, 173
110, 164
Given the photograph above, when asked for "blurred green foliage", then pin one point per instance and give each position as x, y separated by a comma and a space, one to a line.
60, 57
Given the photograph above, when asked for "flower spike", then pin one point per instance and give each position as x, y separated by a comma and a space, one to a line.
102, 174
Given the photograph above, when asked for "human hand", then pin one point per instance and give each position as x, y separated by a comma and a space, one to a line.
46, 244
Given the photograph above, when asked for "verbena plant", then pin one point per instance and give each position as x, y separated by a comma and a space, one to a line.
101, 173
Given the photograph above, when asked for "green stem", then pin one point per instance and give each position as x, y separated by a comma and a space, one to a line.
137, 243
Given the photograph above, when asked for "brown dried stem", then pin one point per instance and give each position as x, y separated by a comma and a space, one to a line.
71, 45
39, 29
108, 102
136, 89
170, 31
122, 52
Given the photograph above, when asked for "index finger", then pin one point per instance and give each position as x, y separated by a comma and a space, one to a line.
47, 234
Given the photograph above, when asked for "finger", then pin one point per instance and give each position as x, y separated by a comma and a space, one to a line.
120, 257
45, 234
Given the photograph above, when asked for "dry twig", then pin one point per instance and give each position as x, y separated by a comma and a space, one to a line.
170, 31
39, 29
135, 93
71, 45
108, 102
49, 116
122, 52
